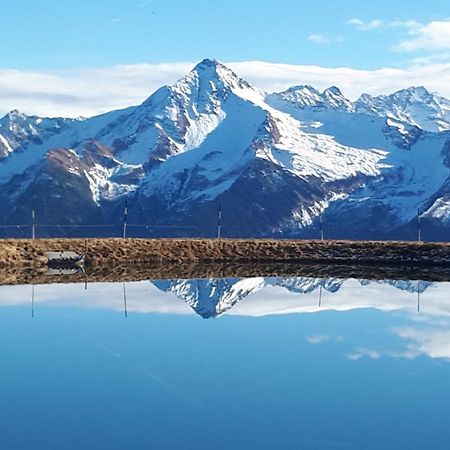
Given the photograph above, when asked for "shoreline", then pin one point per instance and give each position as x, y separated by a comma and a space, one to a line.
98, 252
25, 261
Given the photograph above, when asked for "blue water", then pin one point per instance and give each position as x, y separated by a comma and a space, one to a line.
81, 375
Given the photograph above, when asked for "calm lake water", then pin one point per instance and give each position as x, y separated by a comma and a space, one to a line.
280, 363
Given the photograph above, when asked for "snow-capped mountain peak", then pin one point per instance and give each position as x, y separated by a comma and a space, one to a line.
207, 77
17, 129
214, 71
335, 99
210, 78
414, 105
305, 96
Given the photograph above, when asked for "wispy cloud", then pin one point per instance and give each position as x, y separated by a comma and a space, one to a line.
93, 91
318, 338
87, 92
144, 3
353, 82
360, 25
107, 25
415, 341
318, 39
431, 59
321, 39
364, 352
406, 24
321, 338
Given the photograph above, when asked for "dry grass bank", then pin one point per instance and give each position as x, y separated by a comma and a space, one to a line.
114, 252
23, 261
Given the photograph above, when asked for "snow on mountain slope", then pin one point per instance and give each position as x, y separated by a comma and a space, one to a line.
344, 125
266, 134
412, 172
213, 166
248, 128
176, 118
414, 105
439, 210
32, 137
307, 97
18, 130
173, 120
412, 179
211, 298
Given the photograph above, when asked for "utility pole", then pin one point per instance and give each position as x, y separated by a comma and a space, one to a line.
33, 226
125, 214
219, 222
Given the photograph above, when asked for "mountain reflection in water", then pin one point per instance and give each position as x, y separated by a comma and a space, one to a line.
239, 296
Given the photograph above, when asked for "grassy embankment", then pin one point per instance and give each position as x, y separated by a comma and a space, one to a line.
131, 259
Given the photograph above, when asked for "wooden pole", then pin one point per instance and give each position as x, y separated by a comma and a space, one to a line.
33, 226
219, 222
321, 226
125, 214
419, 231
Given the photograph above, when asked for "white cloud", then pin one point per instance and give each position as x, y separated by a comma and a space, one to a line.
432, 36
321, 39
318, 338
83, 92
360, 25
88, 92
431, 59
415, 342
364, 352
321, 338
434, 343
318, 39
353, 82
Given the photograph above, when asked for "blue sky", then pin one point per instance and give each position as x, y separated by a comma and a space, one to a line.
50, 34
88, 57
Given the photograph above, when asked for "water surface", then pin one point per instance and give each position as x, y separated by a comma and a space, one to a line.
280, 363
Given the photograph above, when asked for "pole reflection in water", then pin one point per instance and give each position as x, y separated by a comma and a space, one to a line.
125, 300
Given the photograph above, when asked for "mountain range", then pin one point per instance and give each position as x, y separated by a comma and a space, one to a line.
275, 164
